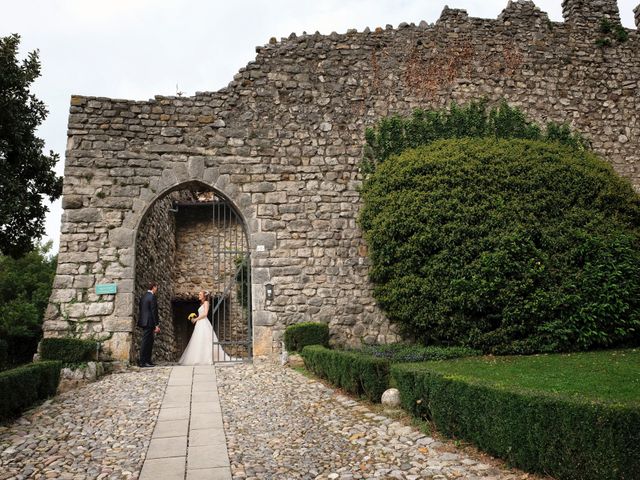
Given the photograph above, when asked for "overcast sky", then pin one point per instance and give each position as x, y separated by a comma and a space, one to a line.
136, 49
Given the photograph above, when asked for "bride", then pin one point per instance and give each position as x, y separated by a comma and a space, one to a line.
200, 350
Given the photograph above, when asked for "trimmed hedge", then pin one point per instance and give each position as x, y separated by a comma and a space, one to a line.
21, 387
356, 373
554, 435
298, 336
68, 350
403, 353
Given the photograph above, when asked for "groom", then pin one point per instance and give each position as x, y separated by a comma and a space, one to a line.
148, 320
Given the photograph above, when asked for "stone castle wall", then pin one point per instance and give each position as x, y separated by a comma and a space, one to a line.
283, 142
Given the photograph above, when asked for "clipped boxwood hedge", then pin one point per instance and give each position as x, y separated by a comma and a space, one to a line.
354, 372
23, 386
405, 353
566, 438
298, 336
68, 350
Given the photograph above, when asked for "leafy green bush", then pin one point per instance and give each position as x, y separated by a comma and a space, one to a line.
23, 386
68, 350
507, 246
393, 135
25, 287
554, 435
298, 336
402, 353
356, 373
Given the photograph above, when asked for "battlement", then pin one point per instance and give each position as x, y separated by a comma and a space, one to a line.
590, 13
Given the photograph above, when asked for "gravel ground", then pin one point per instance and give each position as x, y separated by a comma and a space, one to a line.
281, 425
99, 431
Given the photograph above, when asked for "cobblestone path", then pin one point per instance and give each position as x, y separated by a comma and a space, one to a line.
281, 425
99, 431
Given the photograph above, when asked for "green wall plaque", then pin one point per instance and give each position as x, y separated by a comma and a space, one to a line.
106, 289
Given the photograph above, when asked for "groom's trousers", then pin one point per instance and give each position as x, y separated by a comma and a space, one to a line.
146, 345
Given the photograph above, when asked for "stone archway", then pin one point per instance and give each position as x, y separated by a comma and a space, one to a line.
192, 237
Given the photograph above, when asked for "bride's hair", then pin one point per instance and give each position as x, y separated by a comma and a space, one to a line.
207, 296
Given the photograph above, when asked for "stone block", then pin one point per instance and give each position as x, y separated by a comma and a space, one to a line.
62, 295
84, 281
267, 239
121, 237
71, 202
118, 324
100, 308
195, 167
262, 341
118, 347
55, 325
124, 304
77, 257
63, 281
264, 318
75, 310
88, 215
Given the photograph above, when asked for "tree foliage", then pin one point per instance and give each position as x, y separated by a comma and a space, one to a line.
25, 286
395, 134
508, 246
26, 173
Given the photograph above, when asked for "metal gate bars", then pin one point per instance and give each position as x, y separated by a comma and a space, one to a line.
231, 295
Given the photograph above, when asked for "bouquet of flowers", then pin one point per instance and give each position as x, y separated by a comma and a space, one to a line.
191, 317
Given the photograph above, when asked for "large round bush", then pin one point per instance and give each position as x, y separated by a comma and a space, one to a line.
508, 246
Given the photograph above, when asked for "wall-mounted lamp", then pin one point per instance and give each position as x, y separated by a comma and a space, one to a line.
268, 288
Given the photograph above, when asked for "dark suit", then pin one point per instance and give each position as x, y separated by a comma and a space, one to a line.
148, 320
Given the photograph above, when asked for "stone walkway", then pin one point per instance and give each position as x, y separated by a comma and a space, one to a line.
275, 423
188, 437
282, 425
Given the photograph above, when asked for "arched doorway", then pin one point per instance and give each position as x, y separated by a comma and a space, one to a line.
190, 239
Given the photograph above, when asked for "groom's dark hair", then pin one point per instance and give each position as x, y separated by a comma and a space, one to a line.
151, 285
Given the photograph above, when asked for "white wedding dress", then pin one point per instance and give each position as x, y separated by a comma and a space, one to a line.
200, 350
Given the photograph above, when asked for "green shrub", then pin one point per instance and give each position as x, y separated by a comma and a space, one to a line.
356, 373
507, 246
23, 386
554, 435
393, 135
25, 287
403, 353
298, 336
68, 350
4, 358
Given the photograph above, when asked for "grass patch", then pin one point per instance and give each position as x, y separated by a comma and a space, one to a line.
611, 376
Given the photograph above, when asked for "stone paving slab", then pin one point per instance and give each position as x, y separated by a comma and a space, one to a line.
173, 413
167, 447
163, 468
171, 428
221, 473
207, 436
207, 456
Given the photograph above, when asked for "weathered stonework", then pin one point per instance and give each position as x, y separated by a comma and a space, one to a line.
283, 142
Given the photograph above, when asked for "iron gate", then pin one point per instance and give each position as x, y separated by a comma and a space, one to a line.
231, 296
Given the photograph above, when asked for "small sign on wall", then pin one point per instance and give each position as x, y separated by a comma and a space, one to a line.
260, 248
106, 289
